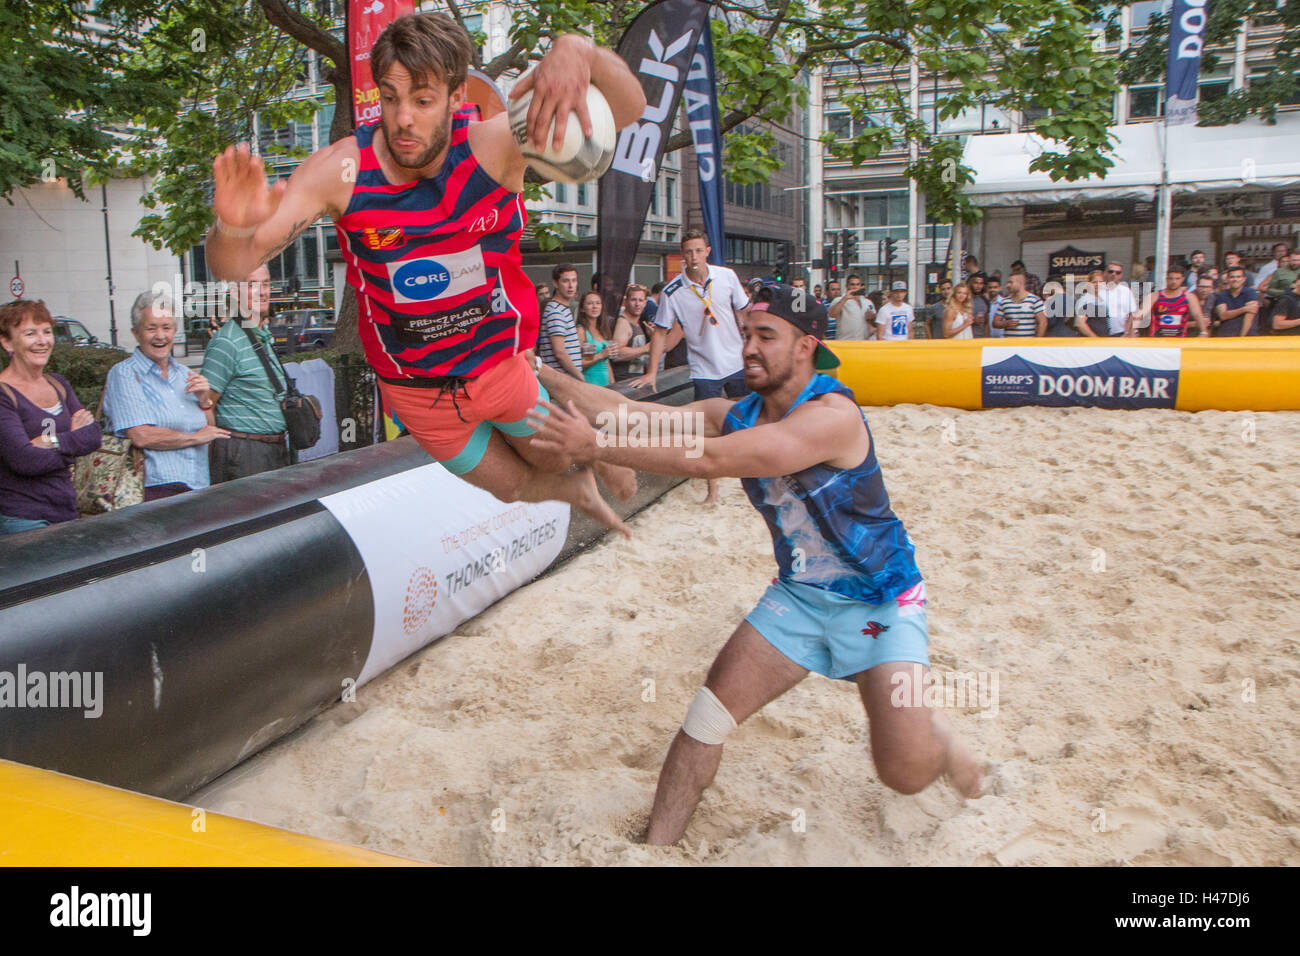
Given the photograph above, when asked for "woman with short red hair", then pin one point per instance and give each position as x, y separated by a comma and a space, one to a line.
42, 425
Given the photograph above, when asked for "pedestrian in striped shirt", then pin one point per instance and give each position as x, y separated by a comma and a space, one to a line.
1020, 314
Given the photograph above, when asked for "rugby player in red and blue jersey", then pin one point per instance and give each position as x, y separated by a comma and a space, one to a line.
429, 215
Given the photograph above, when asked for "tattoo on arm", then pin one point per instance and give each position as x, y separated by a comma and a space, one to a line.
297, 229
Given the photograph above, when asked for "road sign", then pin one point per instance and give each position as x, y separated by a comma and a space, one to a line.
16, 287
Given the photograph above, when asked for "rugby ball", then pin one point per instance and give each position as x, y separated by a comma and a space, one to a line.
580, 159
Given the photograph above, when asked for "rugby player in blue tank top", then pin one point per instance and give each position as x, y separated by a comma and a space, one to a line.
427, 186
849, 601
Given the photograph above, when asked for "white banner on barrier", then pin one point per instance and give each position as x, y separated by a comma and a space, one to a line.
439, 551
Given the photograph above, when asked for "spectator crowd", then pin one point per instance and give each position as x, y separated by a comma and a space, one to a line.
1198, 298
192, 428
186, 428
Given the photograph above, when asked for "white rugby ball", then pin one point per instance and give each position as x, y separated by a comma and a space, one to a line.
580, 159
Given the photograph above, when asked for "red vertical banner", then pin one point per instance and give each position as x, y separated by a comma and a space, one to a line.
366, 20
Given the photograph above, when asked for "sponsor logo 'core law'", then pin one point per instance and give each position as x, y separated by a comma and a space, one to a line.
432, 277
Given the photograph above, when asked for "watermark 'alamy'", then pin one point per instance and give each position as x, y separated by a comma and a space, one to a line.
217, 299
960, 689
75, 689
75, 908
638, 429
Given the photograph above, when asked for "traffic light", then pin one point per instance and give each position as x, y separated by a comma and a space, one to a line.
781, 270
850, 243
891, 251
830, 253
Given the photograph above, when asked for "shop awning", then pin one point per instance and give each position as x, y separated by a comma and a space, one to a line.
1250, 154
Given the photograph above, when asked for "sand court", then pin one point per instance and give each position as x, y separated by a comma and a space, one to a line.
1126, 581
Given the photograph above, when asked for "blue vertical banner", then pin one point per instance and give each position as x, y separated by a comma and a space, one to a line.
701, 99
657, 47
1186, 37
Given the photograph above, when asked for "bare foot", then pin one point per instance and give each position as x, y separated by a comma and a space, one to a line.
620, 480
960, 765
711, 496
588, 500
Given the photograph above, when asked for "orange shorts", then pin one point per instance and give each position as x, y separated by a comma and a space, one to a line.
455, 428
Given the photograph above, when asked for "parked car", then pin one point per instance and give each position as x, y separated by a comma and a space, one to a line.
71, 332
301, 329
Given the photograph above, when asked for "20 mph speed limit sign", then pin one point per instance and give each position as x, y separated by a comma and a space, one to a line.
16, 287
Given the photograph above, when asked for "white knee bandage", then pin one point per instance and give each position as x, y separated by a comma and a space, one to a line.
707, 720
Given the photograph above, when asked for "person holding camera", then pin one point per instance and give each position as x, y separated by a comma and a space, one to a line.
853, 313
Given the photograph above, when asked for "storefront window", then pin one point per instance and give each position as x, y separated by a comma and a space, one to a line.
324, 120
1146, 102
1293, 100
1141, 13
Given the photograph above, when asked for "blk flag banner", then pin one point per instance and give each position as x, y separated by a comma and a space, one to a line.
706, 131
1186, 34
366, 20
658, 46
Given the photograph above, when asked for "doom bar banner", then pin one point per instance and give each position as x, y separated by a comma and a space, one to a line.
658, 46
366, 20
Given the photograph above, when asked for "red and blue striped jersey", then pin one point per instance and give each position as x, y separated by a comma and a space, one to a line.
1170, 315
441, 289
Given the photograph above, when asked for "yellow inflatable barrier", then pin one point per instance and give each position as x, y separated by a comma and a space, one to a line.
1196, 374
49, 819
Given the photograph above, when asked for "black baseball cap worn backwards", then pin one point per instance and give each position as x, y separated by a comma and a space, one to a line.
802, 311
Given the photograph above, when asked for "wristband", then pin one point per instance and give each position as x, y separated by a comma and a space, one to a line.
235, 232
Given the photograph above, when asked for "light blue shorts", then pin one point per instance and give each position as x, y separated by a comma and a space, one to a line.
837, 636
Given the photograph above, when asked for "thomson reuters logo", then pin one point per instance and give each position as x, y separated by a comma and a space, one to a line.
421, 596
422, 279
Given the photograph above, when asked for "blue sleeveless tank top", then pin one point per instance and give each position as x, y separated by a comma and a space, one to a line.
832, 528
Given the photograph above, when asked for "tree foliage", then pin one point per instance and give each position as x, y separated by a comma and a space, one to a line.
177, 81
59, 94
1146, 60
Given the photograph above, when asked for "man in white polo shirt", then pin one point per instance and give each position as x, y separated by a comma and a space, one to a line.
711, 305
894, 318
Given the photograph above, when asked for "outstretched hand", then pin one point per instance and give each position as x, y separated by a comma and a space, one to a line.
241, 196
565, 431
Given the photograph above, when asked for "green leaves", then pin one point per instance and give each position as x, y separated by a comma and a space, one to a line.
169, 83
1145, 61
550, 236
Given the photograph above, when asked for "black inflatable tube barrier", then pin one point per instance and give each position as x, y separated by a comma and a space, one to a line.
219, 621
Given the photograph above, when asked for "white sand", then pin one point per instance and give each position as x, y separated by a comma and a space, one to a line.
1121, 733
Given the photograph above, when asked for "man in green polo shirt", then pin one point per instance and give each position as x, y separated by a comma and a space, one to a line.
246, 403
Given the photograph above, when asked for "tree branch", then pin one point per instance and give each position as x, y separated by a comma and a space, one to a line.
460, 21
305, 31
504, 61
